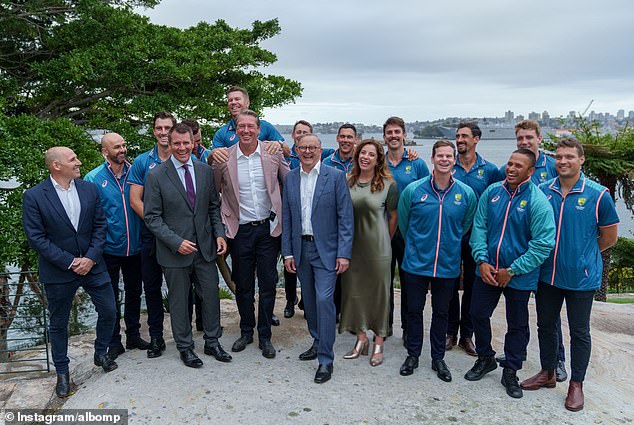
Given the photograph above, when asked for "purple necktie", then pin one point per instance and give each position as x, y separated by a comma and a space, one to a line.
189, 185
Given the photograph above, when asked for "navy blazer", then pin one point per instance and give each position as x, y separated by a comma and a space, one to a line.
50, 232
332, 216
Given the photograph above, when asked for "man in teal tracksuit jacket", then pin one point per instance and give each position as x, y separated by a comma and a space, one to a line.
513, 233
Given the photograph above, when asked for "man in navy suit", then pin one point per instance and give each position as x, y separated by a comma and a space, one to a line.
317, 246
64, 222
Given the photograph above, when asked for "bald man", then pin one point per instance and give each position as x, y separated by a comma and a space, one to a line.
64, 222
122, 250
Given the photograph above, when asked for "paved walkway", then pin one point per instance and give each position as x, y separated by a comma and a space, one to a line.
255, 390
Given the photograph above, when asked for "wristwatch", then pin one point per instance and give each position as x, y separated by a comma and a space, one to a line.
510, 272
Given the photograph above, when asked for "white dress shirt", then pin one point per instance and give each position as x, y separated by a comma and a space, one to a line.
70, 201
307, 184
180, 170
255, 204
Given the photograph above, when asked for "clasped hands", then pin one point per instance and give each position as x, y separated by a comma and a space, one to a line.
189, 247
82, 265
494, 277
341, 265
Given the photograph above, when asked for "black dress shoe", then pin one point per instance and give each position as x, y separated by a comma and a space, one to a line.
324, 373
289, 310
441, 370
481, 367
116, 351
409, 365
267, 348
62, 388
105, 362
560, 372
511, 383
241, 343
275, 321
157, 346
310, 354
190, 359
218, 352
138, 343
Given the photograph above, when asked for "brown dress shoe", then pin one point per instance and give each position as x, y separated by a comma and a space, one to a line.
450, 342
574, 400
543, 379
468, 345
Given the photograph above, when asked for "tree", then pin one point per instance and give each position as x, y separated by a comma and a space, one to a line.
610, 161
101, 65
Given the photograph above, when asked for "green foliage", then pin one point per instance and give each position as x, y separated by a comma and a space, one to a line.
621, 276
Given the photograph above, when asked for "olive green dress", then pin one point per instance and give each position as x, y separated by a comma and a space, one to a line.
365, 287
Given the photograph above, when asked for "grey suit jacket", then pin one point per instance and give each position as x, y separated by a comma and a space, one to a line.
332, 216
170, 218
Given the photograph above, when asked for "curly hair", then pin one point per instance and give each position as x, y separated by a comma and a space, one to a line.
381, 170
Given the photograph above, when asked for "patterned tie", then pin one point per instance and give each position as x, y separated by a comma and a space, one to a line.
189, 185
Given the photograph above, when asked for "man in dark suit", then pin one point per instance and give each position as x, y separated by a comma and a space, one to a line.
317, 247
64, 222
181, 208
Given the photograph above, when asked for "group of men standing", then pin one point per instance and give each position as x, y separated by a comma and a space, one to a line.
163, 216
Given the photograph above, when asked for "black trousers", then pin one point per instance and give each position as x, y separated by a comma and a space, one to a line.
152, 275
484, 301
459, 315
130, 267
290, 286
253, 248
549, 300
398, 252
441, 292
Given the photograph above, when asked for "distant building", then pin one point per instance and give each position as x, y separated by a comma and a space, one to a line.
620, 115
508, 116
534, 116
630, 116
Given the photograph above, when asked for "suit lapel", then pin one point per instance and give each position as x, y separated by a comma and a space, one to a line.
172, 174
52, 197
82, 202
200, 180
322, 179
232, 168
267, 169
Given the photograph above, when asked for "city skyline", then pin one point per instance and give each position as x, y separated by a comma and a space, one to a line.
362, 61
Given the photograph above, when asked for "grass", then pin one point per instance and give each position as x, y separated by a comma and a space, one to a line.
620, 300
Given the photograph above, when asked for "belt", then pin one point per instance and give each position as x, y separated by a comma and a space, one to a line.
309, 238
256, 223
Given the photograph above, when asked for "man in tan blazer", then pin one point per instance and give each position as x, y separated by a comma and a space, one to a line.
250, 182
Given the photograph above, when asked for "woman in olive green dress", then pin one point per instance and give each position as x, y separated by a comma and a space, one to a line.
365, 297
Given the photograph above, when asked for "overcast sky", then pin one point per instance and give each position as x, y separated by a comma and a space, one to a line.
362, 61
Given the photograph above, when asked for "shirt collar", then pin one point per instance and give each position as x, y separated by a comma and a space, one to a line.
57, 186
179, 164
256, 151
316, 169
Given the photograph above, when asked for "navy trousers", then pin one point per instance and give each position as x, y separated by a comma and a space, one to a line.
484, 301
441, 293
459, 316
253, 248
152, 275
549, 300
60, 299
130, 267
398, 251
318, 287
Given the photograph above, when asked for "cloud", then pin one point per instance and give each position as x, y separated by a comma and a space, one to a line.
364, 60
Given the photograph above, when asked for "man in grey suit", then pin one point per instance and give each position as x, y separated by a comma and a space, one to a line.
182, 210
317, 246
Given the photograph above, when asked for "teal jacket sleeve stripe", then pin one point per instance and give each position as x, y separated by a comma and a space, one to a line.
542, 234
478, 239
472, 204
404, 204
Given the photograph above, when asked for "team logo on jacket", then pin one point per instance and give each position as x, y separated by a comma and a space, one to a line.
543, 176
522, 205
232, 138
152, 165
104, 183
422, 198
495, 198
408, 169
581, 202
480, 173
457, 198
